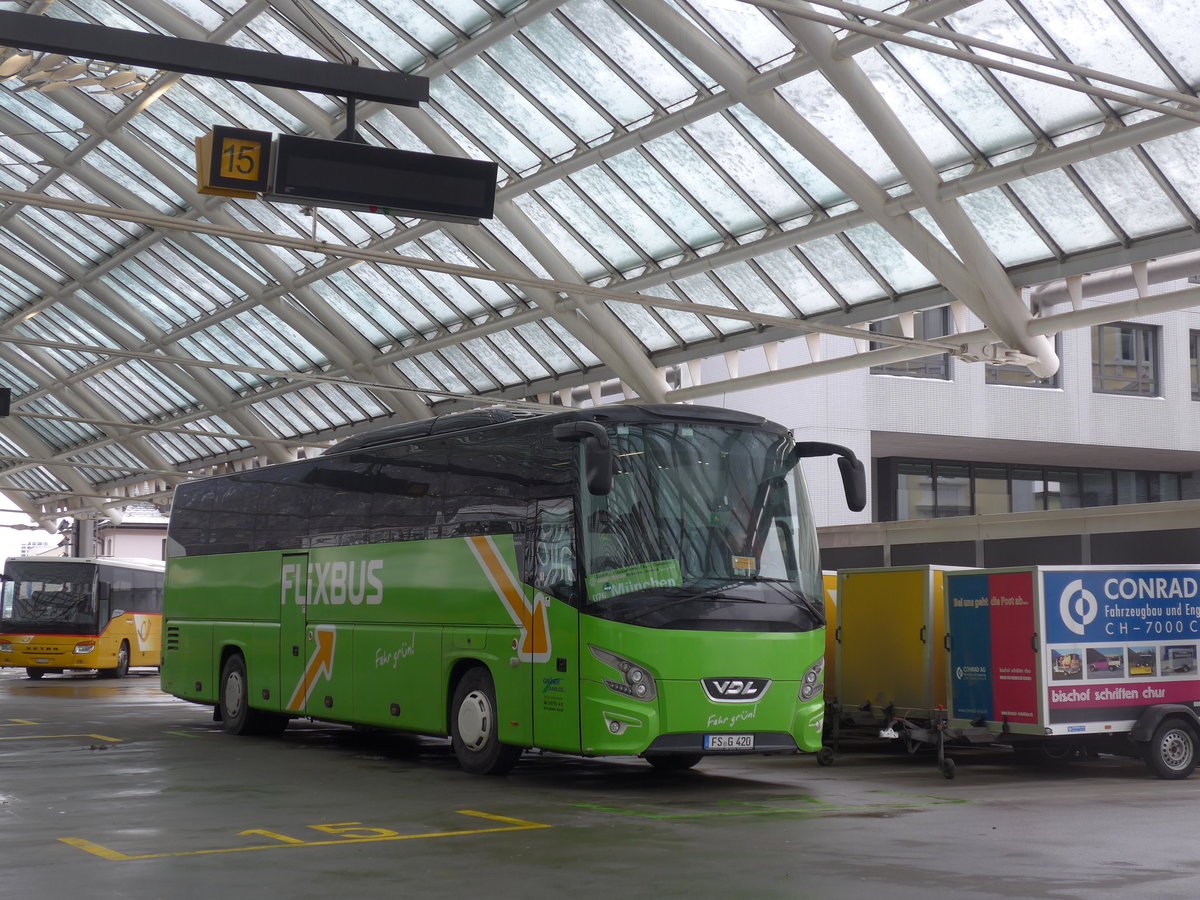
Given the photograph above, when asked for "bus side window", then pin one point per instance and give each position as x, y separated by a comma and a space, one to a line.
553, 551
409, 486
104, 576
281, 520
147, 592
487, 486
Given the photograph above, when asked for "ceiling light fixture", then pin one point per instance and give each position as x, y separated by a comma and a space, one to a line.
53, 71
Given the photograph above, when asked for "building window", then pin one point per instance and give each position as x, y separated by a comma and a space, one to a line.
1194, 362
1011, 373
1125, 359
931, 489
927, 325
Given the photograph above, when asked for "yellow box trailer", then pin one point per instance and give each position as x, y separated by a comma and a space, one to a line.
889, 641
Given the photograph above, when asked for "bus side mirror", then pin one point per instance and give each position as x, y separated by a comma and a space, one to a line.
597, 453
854, 481
854, 475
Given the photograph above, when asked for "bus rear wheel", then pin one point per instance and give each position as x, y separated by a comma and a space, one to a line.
474, 727
122, 667
237, 716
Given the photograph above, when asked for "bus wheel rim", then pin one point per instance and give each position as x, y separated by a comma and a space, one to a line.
234, 692
474, 720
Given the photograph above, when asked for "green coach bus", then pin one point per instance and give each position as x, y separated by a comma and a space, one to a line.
626, 580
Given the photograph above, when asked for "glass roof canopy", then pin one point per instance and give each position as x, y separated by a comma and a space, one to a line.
679, 178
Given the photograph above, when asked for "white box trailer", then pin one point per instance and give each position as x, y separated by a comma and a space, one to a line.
1084, 658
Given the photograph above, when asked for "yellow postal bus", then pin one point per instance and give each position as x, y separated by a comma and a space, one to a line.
59, 613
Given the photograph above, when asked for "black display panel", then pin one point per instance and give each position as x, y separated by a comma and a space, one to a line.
382, 179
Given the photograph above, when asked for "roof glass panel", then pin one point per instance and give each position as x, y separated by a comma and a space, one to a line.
742, 162
562, 99
502, 142
842, 270
1011, 238
579, 255
598, 232
1130, 194
570, 53
463, 364
1178, 157
642, 325
525, 363
503, 96
662, 196
685, 326
1063, 211
937, 142
964, 94
820, 105
1091, 35
753, 33
899, 268
1160, 20
641, 224
797, 283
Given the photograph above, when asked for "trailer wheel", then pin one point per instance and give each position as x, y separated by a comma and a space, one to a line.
825, 756
1172, 750
949, 769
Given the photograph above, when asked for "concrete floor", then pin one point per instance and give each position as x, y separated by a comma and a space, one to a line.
111, 789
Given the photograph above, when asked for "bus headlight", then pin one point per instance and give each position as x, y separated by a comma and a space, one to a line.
636, 681
85, 647
813, 684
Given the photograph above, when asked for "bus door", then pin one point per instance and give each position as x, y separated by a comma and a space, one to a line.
553, 579
296, 645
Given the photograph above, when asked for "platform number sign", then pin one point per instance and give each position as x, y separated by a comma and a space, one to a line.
233, 162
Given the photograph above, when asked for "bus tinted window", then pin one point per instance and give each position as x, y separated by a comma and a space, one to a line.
486, 489
409, 486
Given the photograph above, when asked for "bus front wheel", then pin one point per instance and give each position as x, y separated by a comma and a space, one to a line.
35, 674
237, 716
122, 667
474, 732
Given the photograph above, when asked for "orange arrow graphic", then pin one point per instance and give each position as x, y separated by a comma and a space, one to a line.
535, 631
320, 663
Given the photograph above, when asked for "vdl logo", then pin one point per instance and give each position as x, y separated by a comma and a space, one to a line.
735, 690
1077, 606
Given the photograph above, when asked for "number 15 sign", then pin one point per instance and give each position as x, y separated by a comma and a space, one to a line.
233, 162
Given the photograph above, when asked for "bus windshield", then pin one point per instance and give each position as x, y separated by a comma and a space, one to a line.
50, 598
701, 514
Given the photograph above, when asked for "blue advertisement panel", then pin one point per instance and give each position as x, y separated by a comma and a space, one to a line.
968, 621
1119, 640
1121, 605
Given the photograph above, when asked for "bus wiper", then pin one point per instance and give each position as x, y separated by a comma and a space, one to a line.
715, 593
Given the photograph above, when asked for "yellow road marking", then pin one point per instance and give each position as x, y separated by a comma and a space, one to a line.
14, 722
47, 737
509, 824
